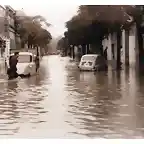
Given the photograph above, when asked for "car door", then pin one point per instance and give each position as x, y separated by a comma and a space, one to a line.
31, 66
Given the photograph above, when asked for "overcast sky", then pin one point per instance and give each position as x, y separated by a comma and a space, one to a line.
56, 12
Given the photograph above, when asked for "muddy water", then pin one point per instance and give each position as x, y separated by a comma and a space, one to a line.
62, 102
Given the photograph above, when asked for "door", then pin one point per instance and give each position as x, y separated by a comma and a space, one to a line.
113, 52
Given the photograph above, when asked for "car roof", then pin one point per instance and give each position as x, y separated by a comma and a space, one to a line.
24, 53
90, 55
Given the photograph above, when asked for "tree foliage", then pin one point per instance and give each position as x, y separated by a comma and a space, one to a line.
60, 44
31, 30
93, 22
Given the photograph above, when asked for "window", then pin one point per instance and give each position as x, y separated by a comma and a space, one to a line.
30, 58
90, 58
25, 59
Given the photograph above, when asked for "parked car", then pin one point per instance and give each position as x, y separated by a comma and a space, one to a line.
26, 63
62, 54
92, 62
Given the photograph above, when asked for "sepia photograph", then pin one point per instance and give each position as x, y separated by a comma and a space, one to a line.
71, 70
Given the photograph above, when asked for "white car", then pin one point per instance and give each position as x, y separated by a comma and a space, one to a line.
26, 63
92, 62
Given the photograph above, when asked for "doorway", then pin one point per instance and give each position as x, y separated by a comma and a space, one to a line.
105, 53
113, 52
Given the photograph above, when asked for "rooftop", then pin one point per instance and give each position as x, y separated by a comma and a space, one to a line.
9, 7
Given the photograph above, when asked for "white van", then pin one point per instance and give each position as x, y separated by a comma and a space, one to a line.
26, 63
92, 62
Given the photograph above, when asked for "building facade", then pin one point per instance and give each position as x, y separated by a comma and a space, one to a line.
2, 21
7, 35
2, 38
129, 47
10, 26
110, 43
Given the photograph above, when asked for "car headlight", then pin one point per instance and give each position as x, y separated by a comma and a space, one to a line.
30, 66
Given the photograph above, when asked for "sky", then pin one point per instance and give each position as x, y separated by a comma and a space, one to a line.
56, 12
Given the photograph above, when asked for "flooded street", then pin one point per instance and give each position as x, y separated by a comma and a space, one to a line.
63, 102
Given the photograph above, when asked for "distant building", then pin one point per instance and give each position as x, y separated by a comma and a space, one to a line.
10, 26
8, 35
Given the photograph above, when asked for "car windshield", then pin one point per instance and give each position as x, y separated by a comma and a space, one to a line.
24, 59
88, 58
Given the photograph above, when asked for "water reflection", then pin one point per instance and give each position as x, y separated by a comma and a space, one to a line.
94, 107
12, 85
63, 102
8, 110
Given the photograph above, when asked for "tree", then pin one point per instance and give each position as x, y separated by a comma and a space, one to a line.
40, 18
63, 45
31, 31
60, 44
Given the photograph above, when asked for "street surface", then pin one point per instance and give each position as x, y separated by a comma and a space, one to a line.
63, 102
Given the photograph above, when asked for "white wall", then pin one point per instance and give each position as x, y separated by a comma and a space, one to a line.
12, 35
75, 49
7, 50
123, 47
10, 21
12, 40
107, 42
132, 46
2, 12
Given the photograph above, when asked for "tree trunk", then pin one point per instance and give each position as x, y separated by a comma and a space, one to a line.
127, 47
88, 51
70, 51
118, 63
73, 56
101, 50
140, 44
83, 49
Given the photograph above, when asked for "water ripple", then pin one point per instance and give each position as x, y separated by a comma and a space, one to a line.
62, 102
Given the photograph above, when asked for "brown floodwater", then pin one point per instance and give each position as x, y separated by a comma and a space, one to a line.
62, 102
